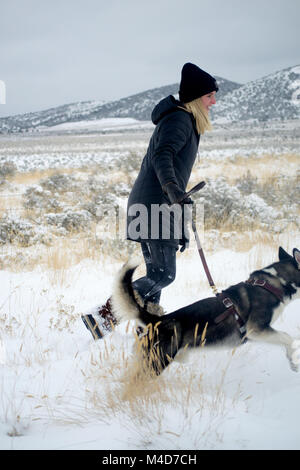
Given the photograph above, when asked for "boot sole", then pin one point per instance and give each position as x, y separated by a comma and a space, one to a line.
92, 326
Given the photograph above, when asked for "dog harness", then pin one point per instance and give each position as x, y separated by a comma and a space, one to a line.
231, 309
266, 285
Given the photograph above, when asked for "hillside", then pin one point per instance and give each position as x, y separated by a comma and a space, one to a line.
138, 106
275, 97
271, 98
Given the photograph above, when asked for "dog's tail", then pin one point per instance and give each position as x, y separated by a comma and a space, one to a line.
125, 302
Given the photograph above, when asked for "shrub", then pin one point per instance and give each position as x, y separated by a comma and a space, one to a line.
72, 221
36, 198
225, 205
20, 231
59, 183
7, 169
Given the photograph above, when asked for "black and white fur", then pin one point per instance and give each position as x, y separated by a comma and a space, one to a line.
194, 326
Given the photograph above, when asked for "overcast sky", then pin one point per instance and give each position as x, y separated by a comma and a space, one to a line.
55, 52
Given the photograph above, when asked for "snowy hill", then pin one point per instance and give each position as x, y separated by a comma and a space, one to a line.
275, 97
138, 106
49, 117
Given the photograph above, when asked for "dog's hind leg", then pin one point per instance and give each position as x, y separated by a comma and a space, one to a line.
269, 335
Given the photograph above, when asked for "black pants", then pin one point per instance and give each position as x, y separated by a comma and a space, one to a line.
160, 260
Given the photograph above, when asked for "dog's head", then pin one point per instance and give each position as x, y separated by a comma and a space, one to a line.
289, 266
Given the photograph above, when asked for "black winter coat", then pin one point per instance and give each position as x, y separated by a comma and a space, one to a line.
170, 156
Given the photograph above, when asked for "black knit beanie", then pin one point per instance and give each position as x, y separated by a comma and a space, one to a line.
195, 83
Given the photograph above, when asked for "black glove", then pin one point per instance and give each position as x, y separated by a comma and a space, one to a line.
175, 194
186, 220
185, 242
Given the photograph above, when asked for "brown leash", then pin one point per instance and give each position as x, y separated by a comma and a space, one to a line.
230, 308
227, 302
199, 247
202, 256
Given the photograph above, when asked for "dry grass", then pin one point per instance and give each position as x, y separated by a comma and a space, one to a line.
32, 177
68, 252
166, 408
10, 203
57, 257
263, 167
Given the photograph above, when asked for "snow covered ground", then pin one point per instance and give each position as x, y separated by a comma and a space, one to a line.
103, 125
62, 390
59, 388
104, 141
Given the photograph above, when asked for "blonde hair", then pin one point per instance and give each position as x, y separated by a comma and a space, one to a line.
200, 114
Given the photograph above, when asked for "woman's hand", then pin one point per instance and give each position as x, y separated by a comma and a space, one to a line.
175, 194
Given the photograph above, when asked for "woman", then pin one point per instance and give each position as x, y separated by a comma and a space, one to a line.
156, 202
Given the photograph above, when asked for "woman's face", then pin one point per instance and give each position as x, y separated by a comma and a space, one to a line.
208, 100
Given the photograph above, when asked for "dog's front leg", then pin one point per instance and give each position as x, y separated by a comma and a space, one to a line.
269, 335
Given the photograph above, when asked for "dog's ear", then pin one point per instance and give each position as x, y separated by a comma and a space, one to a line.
296, 254
282, 254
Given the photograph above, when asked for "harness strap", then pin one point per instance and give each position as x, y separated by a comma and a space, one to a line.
230, 310
266, 285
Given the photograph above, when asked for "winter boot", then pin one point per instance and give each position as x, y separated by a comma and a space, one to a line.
100, 322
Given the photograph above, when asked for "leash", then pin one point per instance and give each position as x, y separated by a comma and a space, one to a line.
230, 308
202, 256
198, 243
196, 188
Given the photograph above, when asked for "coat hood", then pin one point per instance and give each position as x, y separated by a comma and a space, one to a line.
165, 106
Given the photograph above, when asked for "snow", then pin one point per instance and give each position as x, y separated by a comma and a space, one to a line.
268, 98
54, 150
62, 390
105, 124
295, 95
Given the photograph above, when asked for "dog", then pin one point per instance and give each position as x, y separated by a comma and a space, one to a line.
242, 312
